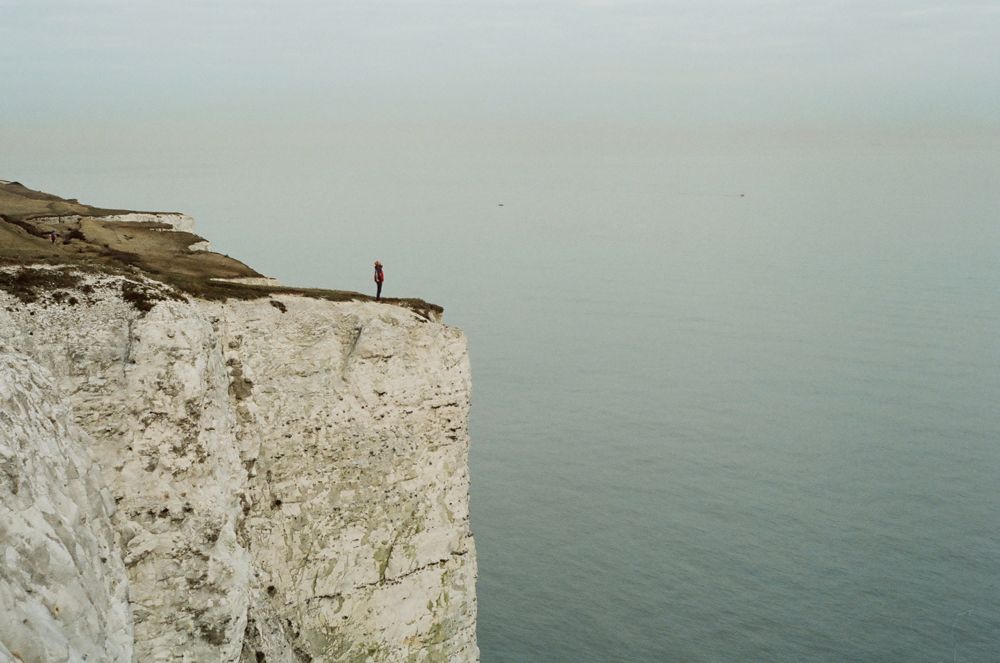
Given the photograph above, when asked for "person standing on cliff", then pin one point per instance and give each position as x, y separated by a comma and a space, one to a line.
379, 278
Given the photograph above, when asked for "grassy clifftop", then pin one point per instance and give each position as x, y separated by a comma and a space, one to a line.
89, 242
18, 202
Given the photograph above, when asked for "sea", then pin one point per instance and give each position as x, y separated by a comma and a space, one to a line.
735, 399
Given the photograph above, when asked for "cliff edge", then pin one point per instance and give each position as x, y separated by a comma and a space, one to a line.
278, 475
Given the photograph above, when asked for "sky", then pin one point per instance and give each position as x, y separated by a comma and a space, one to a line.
676, 63
396, 119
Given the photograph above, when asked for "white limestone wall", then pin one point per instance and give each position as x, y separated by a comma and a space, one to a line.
359, 517
152, 390
63, 585
181, 222
289, 485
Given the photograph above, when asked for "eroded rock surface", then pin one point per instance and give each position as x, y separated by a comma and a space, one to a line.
290, 476
63, 587
358, 516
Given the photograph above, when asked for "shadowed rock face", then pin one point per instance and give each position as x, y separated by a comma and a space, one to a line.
288, 475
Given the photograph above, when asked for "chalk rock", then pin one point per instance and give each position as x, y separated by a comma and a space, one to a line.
291, 478
63, 586
179, 222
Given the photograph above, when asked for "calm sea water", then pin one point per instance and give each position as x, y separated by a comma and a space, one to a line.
730, 404
760, 427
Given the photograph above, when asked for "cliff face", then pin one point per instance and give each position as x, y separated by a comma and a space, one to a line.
277, 479
63, 587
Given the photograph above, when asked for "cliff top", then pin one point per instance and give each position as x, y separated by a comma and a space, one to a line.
19, 202
93, 239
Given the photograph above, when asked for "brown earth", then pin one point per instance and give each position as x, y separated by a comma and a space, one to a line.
91, 243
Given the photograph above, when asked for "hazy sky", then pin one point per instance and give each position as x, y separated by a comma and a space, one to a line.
671, 62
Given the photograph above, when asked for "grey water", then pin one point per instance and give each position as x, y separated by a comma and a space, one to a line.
743, 407
732, 402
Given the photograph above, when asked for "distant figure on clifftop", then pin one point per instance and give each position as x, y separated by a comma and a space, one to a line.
379, 278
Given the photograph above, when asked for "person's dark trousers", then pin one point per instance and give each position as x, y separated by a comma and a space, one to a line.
378, 290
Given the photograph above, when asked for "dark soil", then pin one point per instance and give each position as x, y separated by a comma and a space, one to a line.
28, 284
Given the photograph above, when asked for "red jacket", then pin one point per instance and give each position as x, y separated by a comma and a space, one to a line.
379, 276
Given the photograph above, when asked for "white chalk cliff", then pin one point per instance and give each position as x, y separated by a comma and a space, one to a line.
282, 479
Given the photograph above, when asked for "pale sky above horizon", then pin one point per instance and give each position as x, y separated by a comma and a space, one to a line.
680, 62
